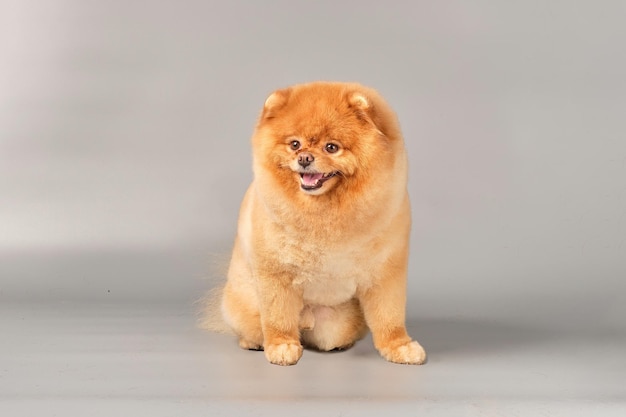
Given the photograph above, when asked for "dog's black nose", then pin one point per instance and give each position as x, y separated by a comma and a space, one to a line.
305, 159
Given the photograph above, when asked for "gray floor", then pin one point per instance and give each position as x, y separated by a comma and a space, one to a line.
129, 359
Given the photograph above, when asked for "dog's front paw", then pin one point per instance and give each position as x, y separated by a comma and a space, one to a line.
284, 353
411, 353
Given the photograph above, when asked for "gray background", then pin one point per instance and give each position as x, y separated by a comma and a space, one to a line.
124, 153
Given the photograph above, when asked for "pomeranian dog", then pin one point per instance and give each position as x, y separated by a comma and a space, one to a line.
321, 250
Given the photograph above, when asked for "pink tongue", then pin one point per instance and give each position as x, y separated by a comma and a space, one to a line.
311, 179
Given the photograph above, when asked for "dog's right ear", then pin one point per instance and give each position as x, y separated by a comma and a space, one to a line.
275, 102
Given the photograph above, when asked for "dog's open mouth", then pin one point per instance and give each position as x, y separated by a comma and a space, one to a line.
314, 180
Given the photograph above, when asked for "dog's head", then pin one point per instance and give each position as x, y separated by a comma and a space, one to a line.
321, 137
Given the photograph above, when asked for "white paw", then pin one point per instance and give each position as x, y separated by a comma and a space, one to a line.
248, 345
283, 354
411, 353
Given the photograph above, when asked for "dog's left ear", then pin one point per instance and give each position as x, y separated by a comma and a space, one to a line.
372, 109
359, 101
275, 102
366, 111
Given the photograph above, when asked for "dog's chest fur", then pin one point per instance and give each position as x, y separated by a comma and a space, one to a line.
328, 276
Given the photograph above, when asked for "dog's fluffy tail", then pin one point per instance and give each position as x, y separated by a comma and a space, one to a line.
210, 312
209, 307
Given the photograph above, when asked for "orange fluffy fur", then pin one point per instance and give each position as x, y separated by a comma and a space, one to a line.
319, 260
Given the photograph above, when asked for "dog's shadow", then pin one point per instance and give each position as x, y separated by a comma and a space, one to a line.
445, 336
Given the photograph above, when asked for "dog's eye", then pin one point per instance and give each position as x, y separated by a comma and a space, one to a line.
331, 148
294, 145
